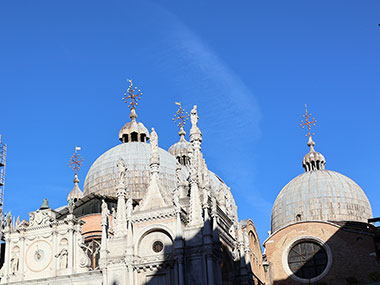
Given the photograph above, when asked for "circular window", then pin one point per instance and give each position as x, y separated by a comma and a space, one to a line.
307, 259
157, 246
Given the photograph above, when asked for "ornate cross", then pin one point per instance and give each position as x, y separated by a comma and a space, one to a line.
76, 160
133, 94
181, 116
307, 122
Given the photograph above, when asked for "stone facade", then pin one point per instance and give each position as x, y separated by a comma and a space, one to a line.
146, 216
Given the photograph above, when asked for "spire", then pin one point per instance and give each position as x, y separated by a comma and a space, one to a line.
313, 160
133, 131
196, 218
75, 164
153, 198
121, 217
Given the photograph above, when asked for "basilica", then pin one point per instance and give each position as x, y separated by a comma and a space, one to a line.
152, 216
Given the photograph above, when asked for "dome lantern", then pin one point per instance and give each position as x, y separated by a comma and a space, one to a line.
181, 149
313, 160
133, 131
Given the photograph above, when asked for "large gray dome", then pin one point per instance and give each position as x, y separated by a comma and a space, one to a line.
320, 195
101, 178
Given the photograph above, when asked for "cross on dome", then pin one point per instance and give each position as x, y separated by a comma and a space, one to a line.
180, 118
313, 160
133, 131
75, 164
132, 96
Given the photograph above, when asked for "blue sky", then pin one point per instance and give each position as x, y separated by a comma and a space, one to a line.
250, 66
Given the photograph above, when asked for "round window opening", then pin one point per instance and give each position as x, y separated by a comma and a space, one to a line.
157, 246
307, 259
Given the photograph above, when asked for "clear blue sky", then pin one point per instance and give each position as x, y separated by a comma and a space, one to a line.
250, 66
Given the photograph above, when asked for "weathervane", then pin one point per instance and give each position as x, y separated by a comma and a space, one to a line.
307, 122
76, 160
133, 94
181, 116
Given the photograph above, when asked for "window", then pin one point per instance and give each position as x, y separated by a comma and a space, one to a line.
307, 259
93, 251
157, 246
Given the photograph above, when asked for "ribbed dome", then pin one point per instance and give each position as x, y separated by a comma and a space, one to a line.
101, 178
320, 195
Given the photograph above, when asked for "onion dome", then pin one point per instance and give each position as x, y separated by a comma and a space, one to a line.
76, 193
313, 160
181, 149
319, 195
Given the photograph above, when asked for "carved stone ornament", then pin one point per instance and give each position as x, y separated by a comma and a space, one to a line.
122, 171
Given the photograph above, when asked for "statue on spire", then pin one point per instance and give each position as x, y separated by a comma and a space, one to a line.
180, 118
132, 96
122, 171
194, 116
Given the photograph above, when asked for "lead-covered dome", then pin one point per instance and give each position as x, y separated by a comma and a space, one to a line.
102, 176
319, 195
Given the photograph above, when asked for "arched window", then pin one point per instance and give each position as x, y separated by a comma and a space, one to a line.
93, 251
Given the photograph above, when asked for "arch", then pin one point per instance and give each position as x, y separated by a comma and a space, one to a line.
296, 240
153, 228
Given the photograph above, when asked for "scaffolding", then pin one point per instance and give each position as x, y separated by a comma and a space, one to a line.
3, 157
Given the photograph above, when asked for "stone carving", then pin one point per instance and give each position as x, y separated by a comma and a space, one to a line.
39, 218
84, 260
8, 220
154, 141
122, 171
70, 206
194, 116
105, 213
14, 264
129, 208
63, 258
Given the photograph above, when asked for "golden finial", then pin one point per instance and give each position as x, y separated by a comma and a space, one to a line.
181, 116
76, 160
133, 94
307, 122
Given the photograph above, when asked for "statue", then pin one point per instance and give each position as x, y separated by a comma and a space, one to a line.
14, 264
8, 219
63, 258
105, 213
154, 141
176, 198
122, 171
194, 116
129, 207
113, 219
71, 206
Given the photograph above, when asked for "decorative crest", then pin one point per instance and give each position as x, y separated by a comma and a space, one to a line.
307, 122
181, 116
76, 160
132, 96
